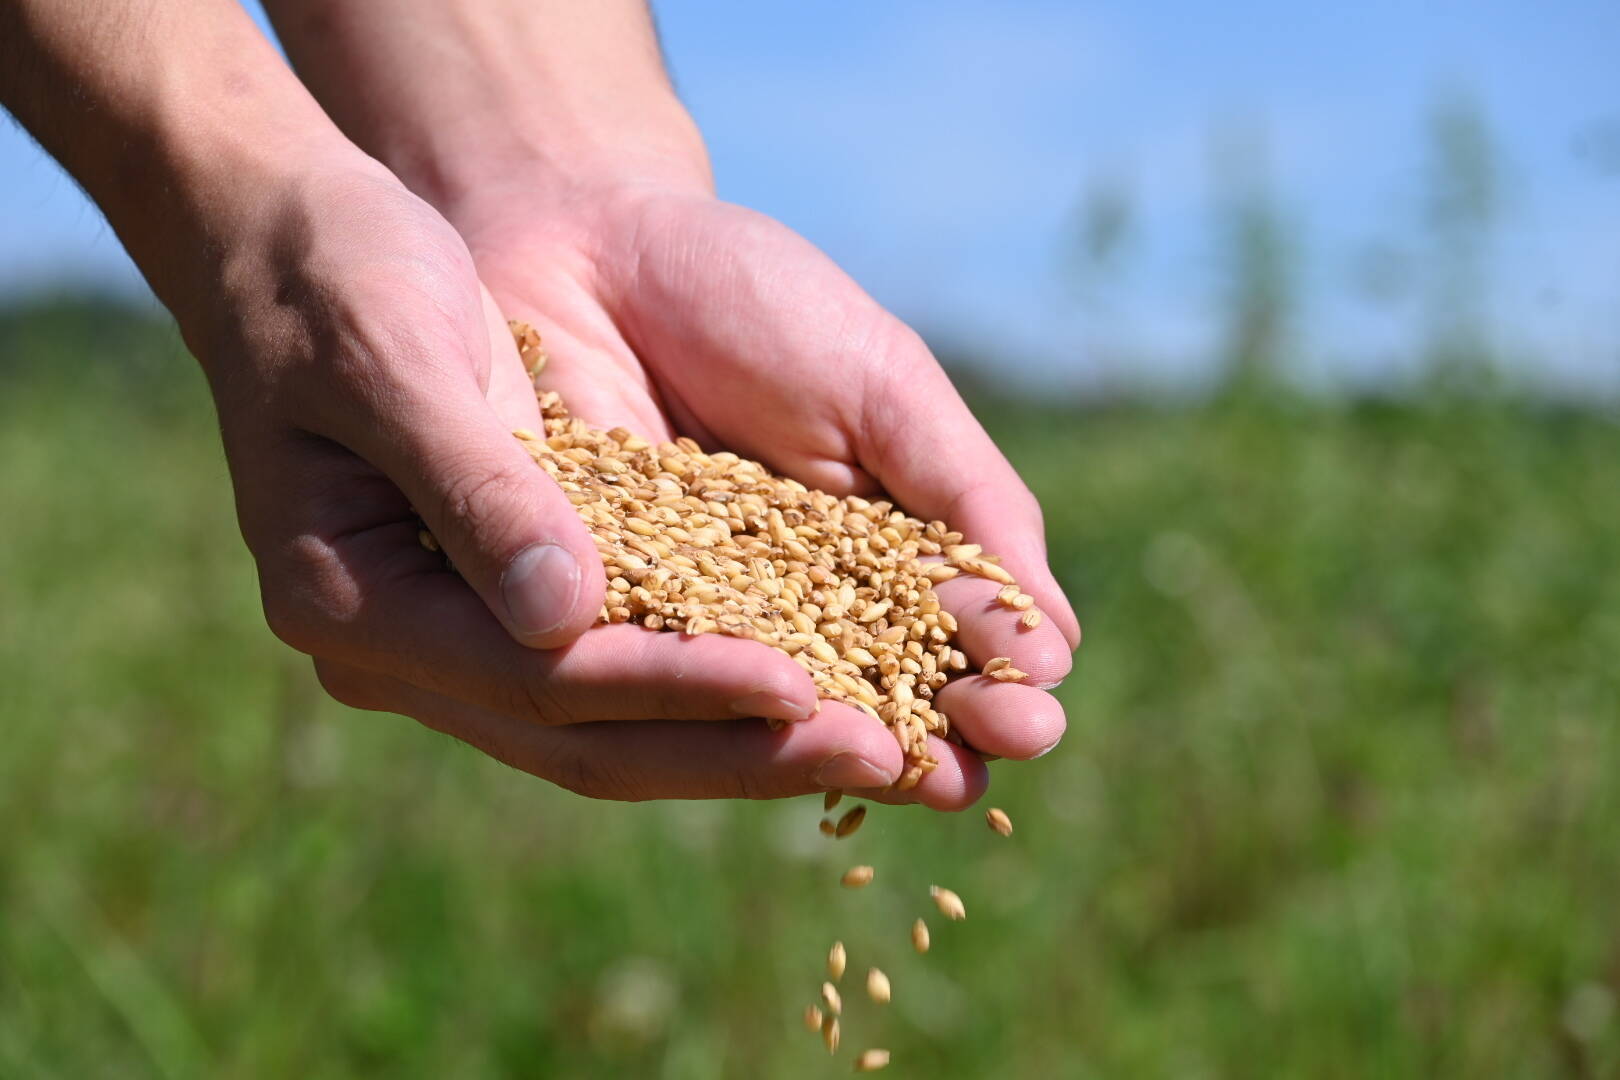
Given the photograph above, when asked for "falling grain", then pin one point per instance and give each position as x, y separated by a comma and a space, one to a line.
872, 1060
949, 904
851, 820
857, 877
998, 821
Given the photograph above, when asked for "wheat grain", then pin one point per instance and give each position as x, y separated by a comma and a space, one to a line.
998, 821
949, 904
857, 877
872, 1060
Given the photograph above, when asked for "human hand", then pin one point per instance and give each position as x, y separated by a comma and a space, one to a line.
361, 373
669, 312
550, 137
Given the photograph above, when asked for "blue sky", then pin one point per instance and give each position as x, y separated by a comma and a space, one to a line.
938, 149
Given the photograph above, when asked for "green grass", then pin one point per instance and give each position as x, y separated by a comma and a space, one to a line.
1338, 799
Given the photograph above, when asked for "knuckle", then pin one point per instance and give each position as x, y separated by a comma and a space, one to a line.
539, 697
346, 685
289, 619
475, 502
305, 593
592, 776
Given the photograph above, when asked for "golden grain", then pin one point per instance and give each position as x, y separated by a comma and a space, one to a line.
830, 998
872, 1060
812, 1018
836, 959
919, 936
877, 986
949, 904
998, 821
857, 877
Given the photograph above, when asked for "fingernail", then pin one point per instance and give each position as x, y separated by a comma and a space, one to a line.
765, 704
850, 770
1048, 748
540, 587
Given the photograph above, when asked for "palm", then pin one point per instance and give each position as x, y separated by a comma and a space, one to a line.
699, 318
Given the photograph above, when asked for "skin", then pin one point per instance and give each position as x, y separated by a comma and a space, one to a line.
344, 275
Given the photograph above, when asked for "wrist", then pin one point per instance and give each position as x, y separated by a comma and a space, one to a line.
207, 201
513, 157
517, 103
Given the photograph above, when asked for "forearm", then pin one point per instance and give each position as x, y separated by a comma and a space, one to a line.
173, 116
466, 98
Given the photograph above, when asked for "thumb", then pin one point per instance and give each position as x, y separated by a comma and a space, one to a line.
506, 526
504, 523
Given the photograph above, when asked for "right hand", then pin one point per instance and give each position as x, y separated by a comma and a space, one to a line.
363, 377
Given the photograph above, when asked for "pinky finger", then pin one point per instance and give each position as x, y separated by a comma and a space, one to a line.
957, 782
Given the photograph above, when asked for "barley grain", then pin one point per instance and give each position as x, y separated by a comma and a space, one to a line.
812, 1018
919, 936
830, 800
828, 828
829, 1034
877, 986
836, 959
1031, 619
857, 877
830, 998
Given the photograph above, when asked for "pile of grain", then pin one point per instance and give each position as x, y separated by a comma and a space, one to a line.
707, 543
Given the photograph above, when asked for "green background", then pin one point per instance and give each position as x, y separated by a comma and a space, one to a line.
1337, 799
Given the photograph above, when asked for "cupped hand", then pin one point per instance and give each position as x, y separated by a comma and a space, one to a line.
364, 378
670, 312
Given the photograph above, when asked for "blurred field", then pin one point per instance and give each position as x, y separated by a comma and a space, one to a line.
1339, 797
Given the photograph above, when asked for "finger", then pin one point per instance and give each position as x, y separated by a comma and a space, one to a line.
1004, 719
987, 628
429, 630
508, 528
926, 448
354, 584
956, 783
633, 761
